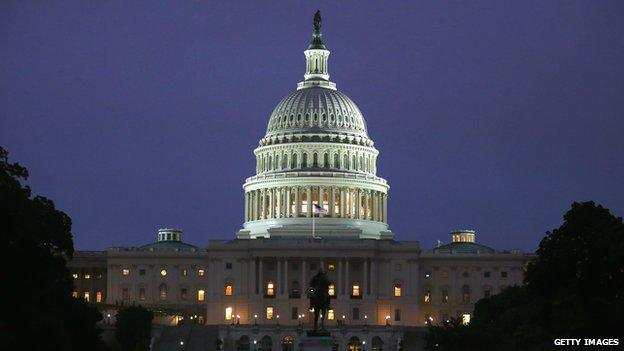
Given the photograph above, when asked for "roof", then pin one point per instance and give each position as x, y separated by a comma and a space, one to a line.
171, 245
463, 247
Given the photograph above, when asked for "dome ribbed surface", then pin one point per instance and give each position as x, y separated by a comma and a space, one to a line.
317, 110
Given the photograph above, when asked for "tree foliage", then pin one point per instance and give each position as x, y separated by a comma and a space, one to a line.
134, 328
39, 312
574, 288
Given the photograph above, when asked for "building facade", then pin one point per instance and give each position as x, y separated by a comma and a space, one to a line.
315, 203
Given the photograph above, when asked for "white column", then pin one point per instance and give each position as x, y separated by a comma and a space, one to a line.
309, 207
247, 207
286, 285
279, 276
254, 275
332, 198
342, 202
366, 291
260, 280
385, 208
373, 279
262, 204
320, 196
358, 198
297, 202
366, 205
340, 286
347, 281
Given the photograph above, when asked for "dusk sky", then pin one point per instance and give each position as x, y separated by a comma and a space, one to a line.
488, 115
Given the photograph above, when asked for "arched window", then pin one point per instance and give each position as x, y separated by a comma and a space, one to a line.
345, 162
466, 294
304, 203
277, 158
270, 163
397, 289
336, 161
377, 344
229, 313
293, 161
162, 291
242, 344
331, 290
229, 290
353, 163
266, 344
288, 343
295, 291
354, 344
201, 295
304, 161
315, 160
326, 160
355, 290
270, 291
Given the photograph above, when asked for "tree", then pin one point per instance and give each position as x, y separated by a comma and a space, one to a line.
573, 289
134, 328
38, 310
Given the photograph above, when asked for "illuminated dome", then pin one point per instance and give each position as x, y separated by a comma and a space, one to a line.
316, 170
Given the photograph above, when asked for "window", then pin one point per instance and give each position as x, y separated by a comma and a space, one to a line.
465, 274
87, 276
503, 274
163, 272
331, 267
487, 293
465, 318
228, 265
201, 272
98, 296
183, 294
201, 295
331, 290
269, 312
486, 274
397, 315
445, 296
228, 289
330, 315
356, 314
270, 289
466, 294
444, 274
125, 271
398, 267
125, 295
141, 294
75, 275
86, 296
355, 290
75, 294
228, 313
427, 296
184, 272
294, 313
141, 271
427, 275
162, 292
397, 289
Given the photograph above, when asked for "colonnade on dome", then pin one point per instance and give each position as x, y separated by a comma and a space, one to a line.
298, 201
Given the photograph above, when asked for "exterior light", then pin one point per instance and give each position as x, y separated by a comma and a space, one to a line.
181, 342
108, 315
255, 342
387, 317
365, 316
255, 316
277, 316
343, 316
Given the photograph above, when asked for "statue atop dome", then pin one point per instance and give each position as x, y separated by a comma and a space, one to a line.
317, 21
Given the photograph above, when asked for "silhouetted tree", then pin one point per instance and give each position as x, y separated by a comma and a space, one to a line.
134, 328
574, 288
38, 311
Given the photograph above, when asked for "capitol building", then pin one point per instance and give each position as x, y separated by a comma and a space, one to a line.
316, 202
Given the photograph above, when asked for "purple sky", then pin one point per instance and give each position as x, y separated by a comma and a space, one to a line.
493, 115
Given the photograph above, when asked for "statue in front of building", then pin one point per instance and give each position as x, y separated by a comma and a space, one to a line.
319, 298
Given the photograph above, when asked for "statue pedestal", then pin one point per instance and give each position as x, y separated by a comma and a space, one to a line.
316, 341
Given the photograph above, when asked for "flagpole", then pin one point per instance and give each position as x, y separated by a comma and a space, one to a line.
313, 235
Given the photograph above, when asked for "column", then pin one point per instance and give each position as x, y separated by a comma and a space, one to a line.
246, 207
385, 208
320, 196
347, 282
286, 284
309, 207
373, 279
304, 284
366, 197
297, 203
272, 203
260, 280
375, 207
343, 201
358, 198
332, 198
262, 204
279, 276
365, 290
340, 287
287, 203
254, 274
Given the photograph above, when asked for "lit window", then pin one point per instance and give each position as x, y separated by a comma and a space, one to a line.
98, 296
163, 272
444, 274
183, 294
201, 272
270, 289
184, 272
142, 294
331, 267
228, 289
75, 294
87, 276
427, 296
355, 290
228, 313
162, 291
201, 295
445, 296
465, 318
397, 290
125, 271
86, 296
331, 290
269, 312
330, 315
75, 275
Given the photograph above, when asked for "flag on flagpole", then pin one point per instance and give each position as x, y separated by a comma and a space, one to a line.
319, 210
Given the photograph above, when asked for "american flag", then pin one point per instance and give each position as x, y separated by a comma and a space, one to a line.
319, 210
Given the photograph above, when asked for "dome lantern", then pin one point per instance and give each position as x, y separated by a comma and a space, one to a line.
317, 57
